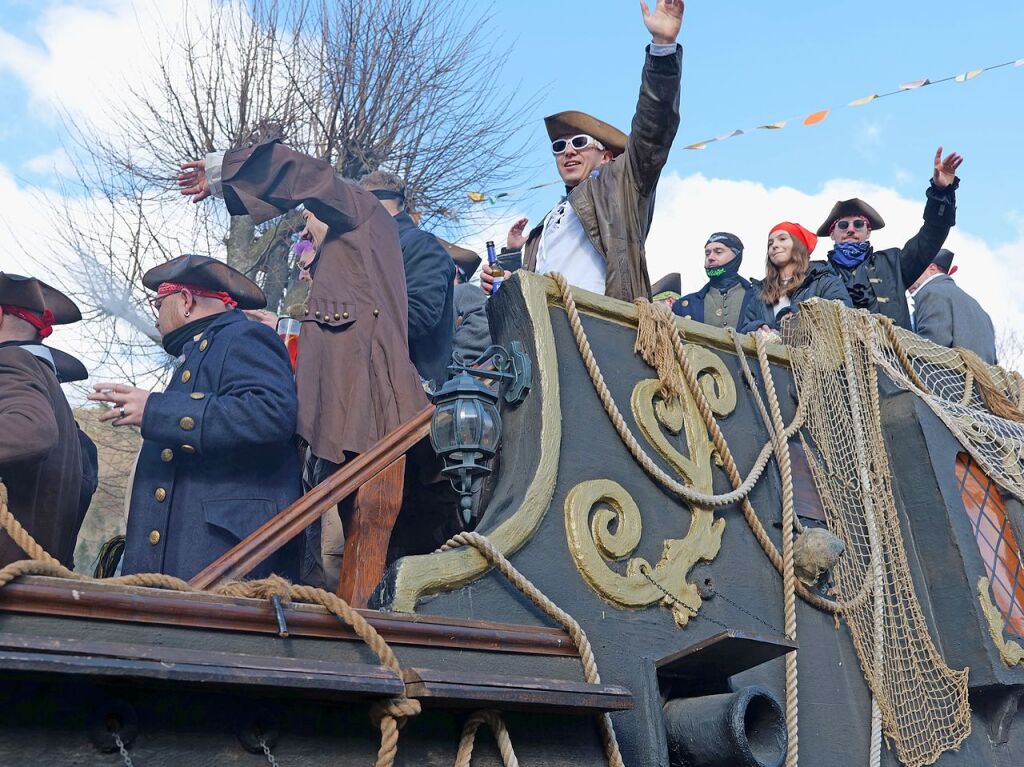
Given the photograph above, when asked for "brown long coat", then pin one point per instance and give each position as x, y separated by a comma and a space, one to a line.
354, 377
40, 456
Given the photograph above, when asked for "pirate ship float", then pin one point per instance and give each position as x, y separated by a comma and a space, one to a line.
671, 488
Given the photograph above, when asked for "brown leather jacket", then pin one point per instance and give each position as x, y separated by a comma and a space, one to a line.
40, 456
616, 207
354, 377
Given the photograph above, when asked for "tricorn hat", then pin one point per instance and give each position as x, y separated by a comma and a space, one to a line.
36, 296
208, 273
853, 207
944, 260
571, 123
69, 368
465, 259
670, 283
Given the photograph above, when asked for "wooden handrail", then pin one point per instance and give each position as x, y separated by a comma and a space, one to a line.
276, 532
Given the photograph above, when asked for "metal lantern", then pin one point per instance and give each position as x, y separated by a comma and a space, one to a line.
466, 427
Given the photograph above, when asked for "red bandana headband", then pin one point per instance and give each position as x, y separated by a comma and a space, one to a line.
41, 322
169, 288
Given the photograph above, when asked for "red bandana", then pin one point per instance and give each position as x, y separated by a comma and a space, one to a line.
41, 322
168, 288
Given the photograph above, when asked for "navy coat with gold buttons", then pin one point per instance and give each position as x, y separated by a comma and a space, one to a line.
217, 457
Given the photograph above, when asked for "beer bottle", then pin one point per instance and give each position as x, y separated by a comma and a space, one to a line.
496, 271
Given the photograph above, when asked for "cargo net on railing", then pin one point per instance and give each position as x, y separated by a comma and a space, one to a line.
918, 701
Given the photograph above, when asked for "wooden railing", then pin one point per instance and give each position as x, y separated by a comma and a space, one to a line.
377, 478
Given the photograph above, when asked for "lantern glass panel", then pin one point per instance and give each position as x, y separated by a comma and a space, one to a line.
468, 423
443, 427
491, 428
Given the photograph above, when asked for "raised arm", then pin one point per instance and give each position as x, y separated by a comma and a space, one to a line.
269, 179
657, 111
939, 218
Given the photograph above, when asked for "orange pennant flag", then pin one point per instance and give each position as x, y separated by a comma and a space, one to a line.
863, 101
914, 84
702, 145
816, 118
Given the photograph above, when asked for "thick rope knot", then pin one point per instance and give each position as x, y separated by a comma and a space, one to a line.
265, 588
396, 709
654, 333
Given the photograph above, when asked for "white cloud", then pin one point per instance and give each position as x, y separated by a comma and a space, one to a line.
52, 163
692, 207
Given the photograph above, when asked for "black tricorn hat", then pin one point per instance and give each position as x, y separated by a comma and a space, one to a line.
69, 368
671, 283
853, 207
944, 260
571, 123
208, 273
36, 296
465, 259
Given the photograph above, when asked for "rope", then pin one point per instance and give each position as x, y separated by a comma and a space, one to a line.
553, 611
389, 715
493, 719
741, 487
995, 400
788, 574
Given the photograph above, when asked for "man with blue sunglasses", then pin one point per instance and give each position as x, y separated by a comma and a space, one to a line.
595, 235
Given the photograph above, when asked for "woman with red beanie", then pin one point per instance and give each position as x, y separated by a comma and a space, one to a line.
790, 279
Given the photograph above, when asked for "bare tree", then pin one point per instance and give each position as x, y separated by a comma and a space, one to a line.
405, 85
1010, 349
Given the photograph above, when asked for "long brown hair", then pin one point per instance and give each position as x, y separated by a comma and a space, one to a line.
772, 289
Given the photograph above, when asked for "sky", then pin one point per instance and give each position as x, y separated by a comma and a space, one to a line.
746, 63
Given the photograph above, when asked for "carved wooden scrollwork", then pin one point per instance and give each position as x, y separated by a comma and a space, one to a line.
604, 525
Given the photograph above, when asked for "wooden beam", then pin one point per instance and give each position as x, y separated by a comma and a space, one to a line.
96, 600
368, 533
275, 533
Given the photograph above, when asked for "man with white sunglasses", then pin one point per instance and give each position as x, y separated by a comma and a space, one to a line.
877, 280
595, 235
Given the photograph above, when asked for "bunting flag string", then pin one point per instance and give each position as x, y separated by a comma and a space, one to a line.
493, 198
817, 117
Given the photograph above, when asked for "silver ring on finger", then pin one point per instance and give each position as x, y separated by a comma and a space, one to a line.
121, 410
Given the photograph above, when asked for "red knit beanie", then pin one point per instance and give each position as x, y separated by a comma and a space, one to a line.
807, 237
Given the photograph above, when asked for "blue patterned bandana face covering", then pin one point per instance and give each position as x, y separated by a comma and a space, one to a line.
850, 254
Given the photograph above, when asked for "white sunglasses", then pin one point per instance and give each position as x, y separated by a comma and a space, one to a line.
579, 143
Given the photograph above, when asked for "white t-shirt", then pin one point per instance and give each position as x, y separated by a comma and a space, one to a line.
564, 247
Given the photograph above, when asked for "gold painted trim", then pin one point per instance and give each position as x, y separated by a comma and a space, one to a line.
419, 576
623, 313
1011, 652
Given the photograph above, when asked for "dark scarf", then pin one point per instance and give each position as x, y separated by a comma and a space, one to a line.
175, 341
725, 277
850, 255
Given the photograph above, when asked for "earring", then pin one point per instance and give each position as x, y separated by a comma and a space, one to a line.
188, 314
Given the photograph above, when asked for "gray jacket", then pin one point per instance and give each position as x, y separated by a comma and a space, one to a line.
947, 316
472, 330
616, 206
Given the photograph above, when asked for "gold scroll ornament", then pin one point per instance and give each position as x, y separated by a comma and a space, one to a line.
604, 524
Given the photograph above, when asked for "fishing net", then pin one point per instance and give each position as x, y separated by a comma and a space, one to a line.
918, 701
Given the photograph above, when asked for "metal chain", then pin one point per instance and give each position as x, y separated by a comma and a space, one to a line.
124, 751
266, 753
694, 613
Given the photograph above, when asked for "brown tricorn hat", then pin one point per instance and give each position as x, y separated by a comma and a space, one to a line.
670, 283
854, 207
36, 296
465, 259
571, 123
208, 273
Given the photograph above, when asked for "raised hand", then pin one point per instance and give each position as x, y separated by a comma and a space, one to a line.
129, 402
516, 239
945, 170
665, 21
193, 180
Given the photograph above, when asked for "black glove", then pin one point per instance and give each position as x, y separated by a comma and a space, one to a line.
862, 294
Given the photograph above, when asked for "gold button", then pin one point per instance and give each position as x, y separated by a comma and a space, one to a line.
160, 495
883, 300
344, 315
203, 344
316, 314
376, 312
187, 423
197, 395
188, 449
166, 455
154, 537
306, 312
686, 303
186, 376
718, 312
337, 316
